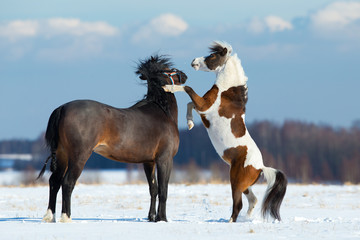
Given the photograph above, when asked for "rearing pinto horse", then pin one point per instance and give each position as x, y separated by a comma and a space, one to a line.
222, 110
145, 133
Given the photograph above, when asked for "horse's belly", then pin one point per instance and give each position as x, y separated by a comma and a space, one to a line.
125, 155
222, 139
220, 134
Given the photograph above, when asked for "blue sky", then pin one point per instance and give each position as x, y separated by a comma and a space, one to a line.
301, 57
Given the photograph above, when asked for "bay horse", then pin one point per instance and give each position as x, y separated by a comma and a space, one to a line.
222, 111
146, 132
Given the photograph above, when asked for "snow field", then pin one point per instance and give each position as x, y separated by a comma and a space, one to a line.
109, 211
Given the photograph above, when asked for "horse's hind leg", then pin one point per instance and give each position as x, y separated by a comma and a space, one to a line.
251, 199
54, 186
237, 203
164, 166
153, 188
76, 165
54, 183
241, 179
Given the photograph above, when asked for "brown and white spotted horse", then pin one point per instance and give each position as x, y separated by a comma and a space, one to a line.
222, 110
145, 133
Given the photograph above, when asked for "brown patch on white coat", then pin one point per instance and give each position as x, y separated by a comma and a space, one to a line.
222, 110
232, 106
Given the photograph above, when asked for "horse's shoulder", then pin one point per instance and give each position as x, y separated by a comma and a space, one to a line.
234, 98
212, 93
236, 93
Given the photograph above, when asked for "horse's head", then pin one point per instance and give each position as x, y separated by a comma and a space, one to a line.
174, 77
219, 53
158, 70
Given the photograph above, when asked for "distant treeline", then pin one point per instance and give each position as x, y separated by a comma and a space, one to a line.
305, 152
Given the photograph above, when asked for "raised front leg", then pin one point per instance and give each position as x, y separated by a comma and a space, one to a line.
202, 103
189, 116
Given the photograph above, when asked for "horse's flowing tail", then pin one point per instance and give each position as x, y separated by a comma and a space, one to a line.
275, 192
52, 139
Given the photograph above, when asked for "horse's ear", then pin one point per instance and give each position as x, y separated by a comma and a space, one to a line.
224, 52
142, 77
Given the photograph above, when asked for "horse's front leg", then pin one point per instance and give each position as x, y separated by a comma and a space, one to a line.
164, 166
153, 188
189, 116
202, 104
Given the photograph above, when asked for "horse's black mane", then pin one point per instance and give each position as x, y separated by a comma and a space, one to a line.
152, 70
216, 48
152, 66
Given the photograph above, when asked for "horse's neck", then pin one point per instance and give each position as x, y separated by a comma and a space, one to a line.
173, 108
166, 101
231, 74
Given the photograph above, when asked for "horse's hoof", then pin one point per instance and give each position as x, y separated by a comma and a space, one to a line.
48, 217
159, 219
190, 124
231, 220
64, 218
152, 218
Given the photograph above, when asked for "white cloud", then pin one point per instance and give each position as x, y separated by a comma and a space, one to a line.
79, 28
271, 23
277, 24
86, 38
19, 29
256, 25
339, 21
168, 25
336, 15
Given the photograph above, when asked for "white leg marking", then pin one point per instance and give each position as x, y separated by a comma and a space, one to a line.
49, 216
189, 116
252, 201
190, 124
173, 88
231, 220
64, 218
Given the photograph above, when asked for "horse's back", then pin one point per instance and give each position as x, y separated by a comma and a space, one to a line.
118, 133
83, 122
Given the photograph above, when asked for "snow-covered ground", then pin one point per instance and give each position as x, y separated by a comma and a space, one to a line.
118, 211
